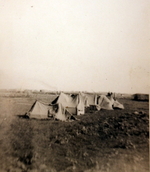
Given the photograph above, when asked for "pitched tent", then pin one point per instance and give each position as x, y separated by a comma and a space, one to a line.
90, 98
61, 113
39, 110
104, 103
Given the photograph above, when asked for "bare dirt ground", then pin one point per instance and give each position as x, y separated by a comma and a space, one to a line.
104, 141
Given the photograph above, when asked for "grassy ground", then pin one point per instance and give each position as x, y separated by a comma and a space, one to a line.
104, 141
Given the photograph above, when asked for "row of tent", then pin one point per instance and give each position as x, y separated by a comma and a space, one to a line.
66, 106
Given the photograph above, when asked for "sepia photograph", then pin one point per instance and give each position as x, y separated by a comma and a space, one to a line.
74, 85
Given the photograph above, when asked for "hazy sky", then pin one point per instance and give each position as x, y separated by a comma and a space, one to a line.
92, 45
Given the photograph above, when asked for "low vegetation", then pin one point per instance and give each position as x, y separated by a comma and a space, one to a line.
104, 141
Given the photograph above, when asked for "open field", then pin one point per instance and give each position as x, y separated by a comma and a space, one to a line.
104, 141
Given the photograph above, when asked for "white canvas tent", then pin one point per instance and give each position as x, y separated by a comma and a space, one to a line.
104, 103
91, 99
39, 110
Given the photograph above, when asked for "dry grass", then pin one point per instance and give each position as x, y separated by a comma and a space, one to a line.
105, 141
